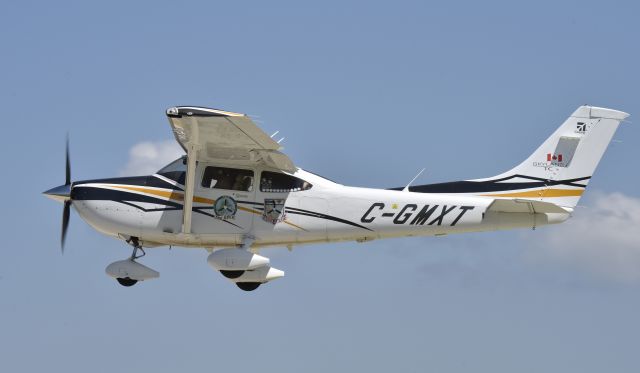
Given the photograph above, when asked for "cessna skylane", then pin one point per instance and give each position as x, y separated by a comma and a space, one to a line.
234, 192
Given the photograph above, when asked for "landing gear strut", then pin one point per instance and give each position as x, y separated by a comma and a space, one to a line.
128, 272
133, 241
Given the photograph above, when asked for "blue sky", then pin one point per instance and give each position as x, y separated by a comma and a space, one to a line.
366, 93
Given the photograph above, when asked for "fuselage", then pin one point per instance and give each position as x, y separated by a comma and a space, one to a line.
277, 209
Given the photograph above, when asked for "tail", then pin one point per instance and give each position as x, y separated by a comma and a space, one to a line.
560, 169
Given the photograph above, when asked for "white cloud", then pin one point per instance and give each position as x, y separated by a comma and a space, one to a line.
147, 157
603, 239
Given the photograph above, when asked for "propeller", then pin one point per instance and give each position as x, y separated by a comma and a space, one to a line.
66, 212
62, 193
65, 223
67, 179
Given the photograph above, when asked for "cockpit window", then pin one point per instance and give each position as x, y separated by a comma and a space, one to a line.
175, 170
228, 178
281, 183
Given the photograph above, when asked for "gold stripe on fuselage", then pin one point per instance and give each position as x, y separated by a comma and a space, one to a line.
172, 194
541, 193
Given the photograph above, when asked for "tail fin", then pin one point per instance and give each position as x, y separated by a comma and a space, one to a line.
560, 169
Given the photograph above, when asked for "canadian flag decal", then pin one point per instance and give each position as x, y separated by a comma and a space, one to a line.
554, 157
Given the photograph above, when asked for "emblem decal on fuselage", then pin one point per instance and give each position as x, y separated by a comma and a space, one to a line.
274, 211
225, 207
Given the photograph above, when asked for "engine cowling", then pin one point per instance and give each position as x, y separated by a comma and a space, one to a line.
236, 260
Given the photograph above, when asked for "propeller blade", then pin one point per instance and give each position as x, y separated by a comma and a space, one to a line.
65, 223
67, 180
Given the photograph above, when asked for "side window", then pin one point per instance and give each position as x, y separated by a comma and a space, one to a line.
282, 183
228, 178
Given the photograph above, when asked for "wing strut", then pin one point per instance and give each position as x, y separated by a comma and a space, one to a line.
189, 183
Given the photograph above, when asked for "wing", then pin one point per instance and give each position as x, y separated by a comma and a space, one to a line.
219, 135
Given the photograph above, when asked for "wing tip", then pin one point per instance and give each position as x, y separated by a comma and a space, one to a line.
197, 111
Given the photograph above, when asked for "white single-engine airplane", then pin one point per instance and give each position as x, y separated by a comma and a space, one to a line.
234, 192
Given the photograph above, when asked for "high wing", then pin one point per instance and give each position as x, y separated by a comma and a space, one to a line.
219, 135
211, 135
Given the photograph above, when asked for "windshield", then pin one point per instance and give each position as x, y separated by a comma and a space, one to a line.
175, 170
179, 165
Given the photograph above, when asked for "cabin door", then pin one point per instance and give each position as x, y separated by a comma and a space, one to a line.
222, 198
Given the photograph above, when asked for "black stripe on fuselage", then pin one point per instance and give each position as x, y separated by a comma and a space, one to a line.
81, 193
496, 185
84, 193
143, 181
149, 210
297, 211
97, 193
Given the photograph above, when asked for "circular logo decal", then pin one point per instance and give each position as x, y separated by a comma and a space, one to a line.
225, 207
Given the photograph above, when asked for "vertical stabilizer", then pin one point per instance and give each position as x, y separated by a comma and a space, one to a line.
560, 169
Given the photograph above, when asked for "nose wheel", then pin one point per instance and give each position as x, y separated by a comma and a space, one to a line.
129, 272
127, 281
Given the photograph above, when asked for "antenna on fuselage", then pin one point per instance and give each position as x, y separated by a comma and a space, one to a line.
406, 189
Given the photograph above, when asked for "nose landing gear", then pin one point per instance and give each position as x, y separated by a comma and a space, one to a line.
133, 241
128, 272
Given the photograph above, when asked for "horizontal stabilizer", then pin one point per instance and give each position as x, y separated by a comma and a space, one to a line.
526, 205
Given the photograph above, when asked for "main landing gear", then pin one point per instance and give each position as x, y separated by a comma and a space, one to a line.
128, 272
126, 281
248, 286
243, 267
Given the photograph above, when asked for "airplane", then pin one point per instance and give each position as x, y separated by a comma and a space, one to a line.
235, 192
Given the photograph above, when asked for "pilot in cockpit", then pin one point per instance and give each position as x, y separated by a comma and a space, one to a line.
242, 182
